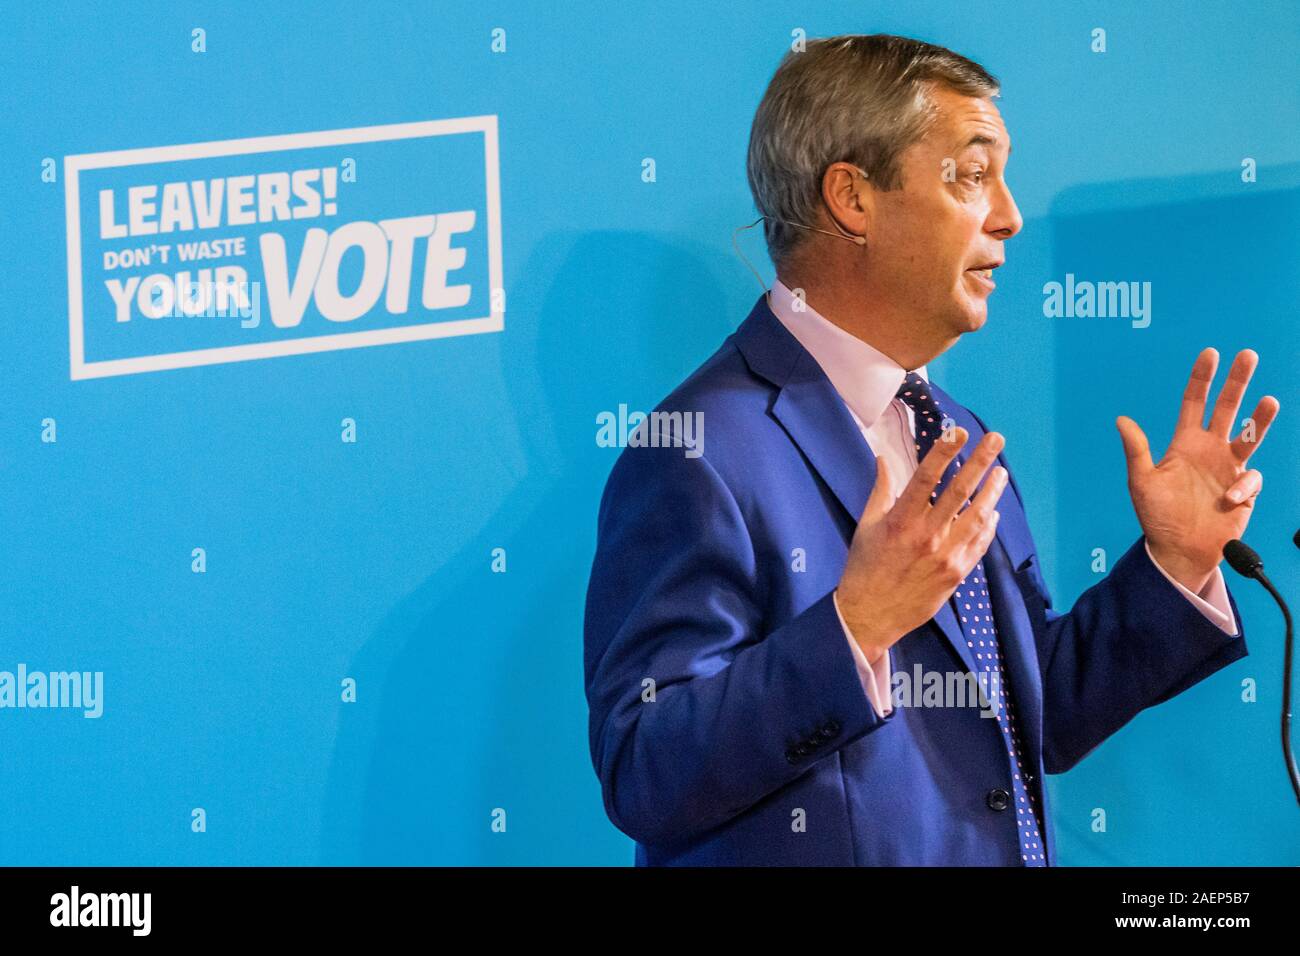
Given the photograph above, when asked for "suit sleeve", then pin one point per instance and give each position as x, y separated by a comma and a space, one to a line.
699, 707
1131, 641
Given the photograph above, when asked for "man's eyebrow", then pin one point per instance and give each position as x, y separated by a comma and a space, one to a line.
981, 139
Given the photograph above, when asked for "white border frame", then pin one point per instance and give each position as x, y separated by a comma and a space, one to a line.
72, 166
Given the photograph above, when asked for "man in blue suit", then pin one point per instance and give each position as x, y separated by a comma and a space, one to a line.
824, 638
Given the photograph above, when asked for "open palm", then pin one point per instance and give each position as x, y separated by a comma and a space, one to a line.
1200, 495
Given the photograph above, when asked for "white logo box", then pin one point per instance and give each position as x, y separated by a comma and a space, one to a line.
73, 165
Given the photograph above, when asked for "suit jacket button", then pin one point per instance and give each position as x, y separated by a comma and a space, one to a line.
791, 756
830, 729
998, 799
803, 750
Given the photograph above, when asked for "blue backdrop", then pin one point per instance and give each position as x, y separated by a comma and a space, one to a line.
370, 563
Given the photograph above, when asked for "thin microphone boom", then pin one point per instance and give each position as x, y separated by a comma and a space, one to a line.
1242, 558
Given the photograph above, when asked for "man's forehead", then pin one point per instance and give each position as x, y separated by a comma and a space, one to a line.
964, 121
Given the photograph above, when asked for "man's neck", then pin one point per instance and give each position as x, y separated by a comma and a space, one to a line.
882, 327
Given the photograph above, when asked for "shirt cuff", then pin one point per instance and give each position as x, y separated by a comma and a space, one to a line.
1211, 602
875, 678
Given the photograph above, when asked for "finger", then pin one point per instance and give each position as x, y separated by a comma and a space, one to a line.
1256, 427
970, 523
1246, 486
1225, 409
967, 479
1137, 450
1192, 412
881, 498
978, 546
916, 495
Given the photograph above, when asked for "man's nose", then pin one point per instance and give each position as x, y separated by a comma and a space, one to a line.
1004, 218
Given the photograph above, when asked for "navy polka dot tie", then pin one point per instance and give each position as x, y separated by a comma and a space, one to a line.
975, 611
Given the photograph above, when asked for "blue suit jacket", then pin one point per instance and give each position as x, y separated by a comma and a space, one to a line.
757, 711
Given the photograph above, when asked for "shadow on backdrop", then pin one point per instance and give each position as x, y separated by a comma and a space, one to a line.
482, 698
1198, 780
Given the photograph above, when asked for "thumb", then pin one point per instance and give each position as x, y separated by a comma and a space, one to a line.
1137, 450
882, 494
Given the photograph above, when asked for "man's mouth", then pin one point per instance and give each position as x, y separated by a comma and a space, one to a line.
983, 275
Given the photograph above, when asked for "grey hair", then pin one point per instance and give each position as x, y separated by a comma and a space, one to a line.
855, 99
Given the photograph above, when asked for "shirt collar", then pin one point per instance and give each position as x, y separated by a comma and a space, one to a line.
865, 378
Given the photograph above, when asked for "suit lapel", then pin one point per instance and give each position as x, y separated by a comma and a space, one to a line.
809, 408
819, 423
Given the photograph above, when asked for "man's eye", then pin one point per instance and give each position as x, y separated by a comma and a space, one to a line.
976, 176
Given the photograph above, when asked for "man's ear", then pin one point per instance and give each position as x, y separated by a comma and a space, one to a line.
849, 199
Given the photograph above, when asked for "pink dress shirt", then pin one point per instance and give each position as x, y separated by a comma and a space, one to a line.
867, 381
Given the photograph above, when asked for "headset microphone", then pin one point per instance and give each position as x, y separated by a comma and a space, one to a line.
842, 234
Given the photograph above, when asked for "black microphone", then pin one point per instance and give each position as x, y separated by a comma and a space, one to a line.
1243, 559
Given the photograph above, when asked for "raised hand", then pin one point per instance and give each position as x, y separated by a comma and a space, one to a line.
908, 556
1201, 494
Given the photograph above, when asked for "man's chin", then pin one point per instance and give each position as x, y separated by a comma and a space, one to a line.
972, 317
